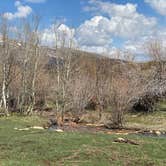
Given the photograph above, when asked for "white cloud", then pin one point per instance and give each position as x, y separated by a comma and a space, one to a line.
98, 45
94, 32
124, 19
61, 33
36, 1
113, 9
139, 46
114, 21
158, 5
22, 11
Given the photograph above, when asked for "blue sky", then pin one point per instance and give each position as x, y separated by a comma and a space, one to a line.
101, 26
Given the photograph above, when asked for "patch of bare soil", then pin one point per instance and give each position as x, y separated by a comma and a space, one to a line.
92, 128
89, 126
92, 125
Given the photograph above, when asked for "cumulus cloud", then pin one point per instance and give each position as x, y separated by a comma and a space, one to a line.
158, 5
112, 9
22, 11
114, 21
124, 19
139, 46
61, 33
94, 32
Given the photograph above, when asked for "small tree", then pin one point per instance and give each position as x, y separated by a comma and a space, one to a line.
127, 85
83, 89
157, 52
29, 59
7, 63
63, 71
102, 83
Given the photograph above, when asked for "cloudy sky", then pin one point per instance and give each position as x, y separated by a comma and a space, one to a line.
100, 26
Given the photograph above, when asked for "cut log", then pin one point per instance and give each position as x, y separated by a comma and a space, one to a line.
123, 140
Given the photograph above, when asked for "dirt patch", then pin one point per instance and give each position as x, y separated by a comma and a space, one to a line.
97, 129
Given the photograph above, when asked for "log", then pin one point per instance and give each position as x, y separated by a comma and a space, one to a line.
123, 140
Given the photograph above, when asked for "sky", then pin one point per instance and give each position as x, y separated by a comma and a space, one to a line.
100, 26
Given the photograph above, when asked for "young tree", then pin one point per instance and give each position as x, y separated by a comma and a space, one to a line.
127, 86
7, 62
157, 52
83, 88
102, 81
31, 52
64, 45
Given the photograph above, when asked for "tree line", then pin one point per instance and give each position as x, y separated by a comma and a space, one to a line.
32, 75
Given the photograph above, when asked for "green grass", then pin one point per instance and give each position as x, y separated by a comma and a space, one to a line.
43, 148
161, 106
155, 120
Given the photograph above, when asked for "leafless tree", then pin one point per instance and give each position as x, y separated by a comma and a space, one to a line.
83, 89
29, 58
7, 58
63, 70
102, 83
157, 52
127, 85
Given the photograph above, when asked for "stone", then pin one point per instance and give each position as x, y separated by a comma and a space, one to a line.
121, 139
151, 131
158, 133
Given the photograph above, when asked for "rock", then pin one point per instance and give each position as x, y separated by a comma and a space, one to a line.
121, 139
151, 131
55, 129
163, 132
52, 128
158, 133
52, 124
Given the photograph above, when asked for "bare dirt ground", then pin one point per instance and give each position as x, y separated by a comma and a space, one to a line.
94, 128
135, 123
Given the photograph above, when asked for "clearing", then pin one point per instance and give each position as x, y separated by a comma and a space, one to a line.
44, 148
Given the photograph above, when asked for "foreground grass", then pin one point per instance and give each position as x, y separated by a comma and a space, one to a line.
34, 147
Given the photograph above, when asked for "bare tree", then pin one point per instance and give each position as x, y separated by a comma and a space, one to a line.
127, 86
63, 70
157, 52
30, 55
83, 89
7, 63
102, 81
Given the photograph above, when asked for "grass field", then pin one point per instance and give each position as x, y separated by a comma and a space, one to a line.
44, 148
153, 121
